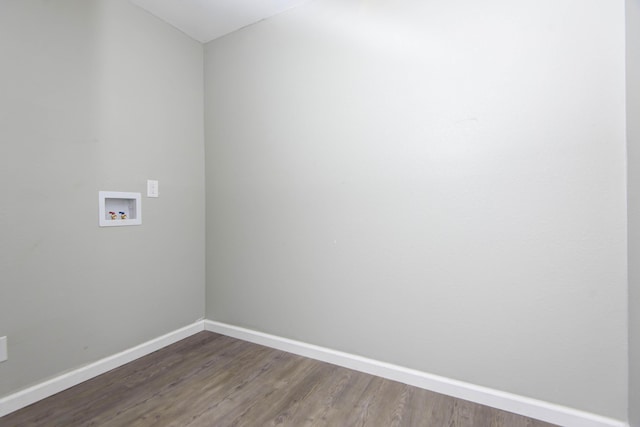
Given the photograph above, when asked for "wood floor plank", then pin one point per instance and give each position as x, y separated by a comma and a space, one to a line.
161, 407
213, 380
167, 382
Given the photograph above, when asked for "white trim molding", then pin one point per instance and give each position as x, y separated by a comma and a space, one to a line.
533, 408
538, 409
30, 395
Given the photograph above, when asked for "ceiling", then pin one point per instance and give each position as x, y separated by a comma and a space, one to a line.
205, 20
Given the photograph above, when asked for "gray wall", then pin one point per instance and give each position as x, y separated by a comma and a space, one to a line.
633, 144
439, 185
95, 95
403, 181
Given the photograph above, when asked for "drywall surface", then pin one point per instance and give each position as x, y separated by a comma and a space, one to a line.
633, 144
96, 95
439, 185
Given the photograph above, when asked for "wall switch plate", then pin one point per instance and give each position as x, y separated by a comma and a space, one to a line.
3, 349
152, 188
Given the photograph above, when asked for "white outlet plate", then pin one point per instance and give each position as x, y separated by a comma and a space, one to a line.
152, 188
3, 349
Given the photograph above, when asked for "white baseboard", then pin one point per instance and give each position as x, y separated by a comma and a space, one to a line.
26, 397
541, 410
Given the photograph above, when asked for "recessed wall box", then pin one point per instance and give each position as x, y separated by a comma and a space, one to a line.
117, 208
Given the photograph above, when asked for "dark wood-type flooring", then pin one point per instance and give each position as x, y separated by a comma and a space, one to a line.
214, 380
